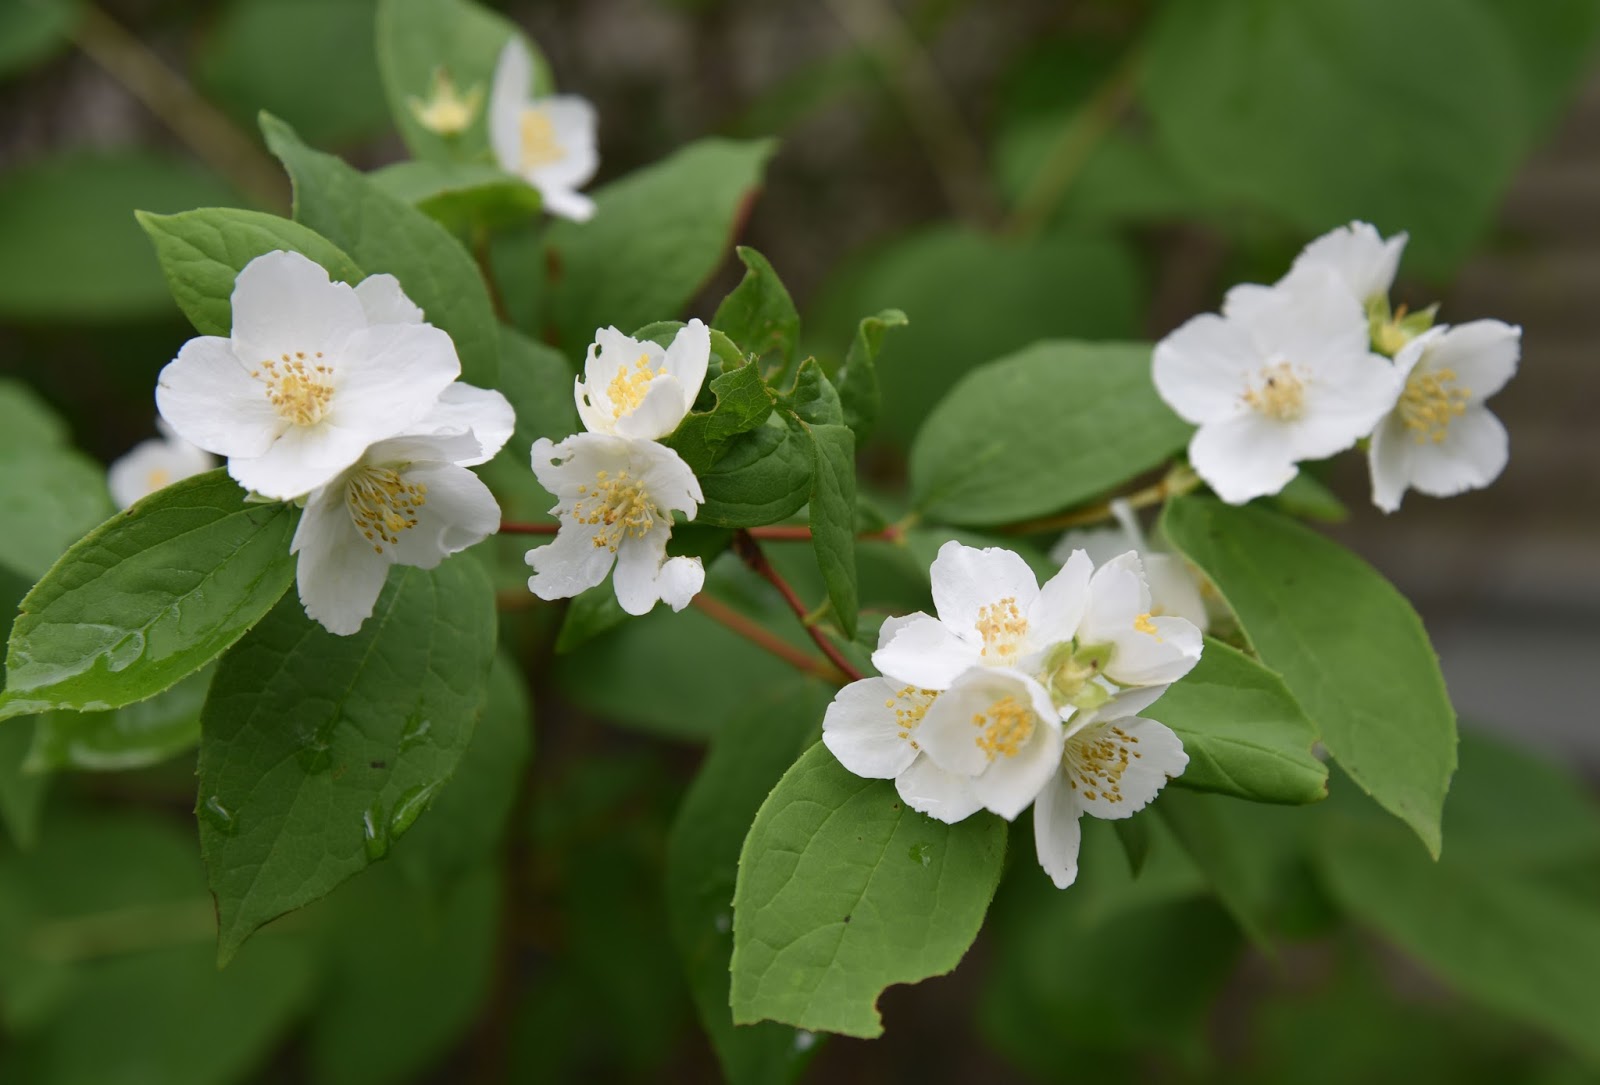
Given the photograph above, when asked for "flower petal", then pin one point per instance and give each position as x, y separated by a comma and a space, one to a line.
563, 468
384, 302
658, 413
391, 376
922, 651
865, 733
1116, 767
1362, 259
1483, 355
338, 574
639, 562
688, 357
209, 399
1059, 609
967, 579
1244, 457
1158, 655
1472, 455
482, 413
670, 482
458, 511
1201, 369
929, 789
1174, 591
1012, 782
508, 97
1057, 836
680, 581
1389, 462
300, 460
567, 204
569, 565
283, 303
154, 465
574, 127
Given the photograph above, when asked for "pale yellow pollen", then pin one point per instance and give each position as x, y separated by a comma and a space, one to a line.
1002, 627
447, 111
383, 504
627, 389
909, 705
1005, 727
157, 479
1098, 757
1144, 625
540, 147
618, 507
1431, 399
299, 388
1281, 395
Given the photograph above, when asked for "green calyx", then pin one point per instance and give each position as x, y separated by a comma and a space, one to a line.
1392, 330
1069, 673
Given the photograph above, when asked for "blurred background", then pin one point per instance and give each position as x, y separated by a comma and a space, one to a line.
1003, 173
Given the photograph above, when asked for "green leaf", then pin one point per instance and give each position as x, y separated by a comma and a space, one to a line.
1194, 821
203, 251
1309, 499
760, 316
761, 477
858, 377
1040, 430
1507, 941
149, 597
842, 891
330, 91
833, 519
464, 197
747, 758
813, 399
318, 751
134, 736
972, 296
656, 236
1553, 44
72, 249
1244, 732
52, 492
1310, 110
385, 234
21, 793
743, 402
1349, 647
33, 30
419, 38
467, 820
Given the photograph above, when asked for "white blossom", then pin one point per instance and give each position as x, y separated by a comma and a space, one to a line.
1285, 374
1440, 439
314, 372
1176, 587
409, 500
636, 388
615, 499
549, 142
1364, 260
154, 465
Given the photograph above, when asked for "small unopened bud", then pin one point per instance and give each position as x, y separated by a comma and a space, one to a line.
447, 112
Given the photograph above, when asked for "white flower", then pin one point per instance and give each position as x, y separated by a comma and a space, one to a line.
1285, 375
1440, 439
1176, 587
1084, 635
409, 500
314, 373
871, 727
549, 142
1112, 764
615, 498
1359, 256
636, 388
154, 465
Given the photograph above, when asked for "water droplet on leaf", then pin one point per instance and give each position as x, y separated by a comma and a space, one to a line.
922, 853
375, 829
220, 817
408, 807
126, 652
416, 732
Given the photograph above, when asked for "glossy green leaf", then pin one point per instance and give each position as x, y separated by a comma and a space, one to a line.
462, 196
1244, 732
417, 39
149, 597
747, 758
133, 736
843, 891
318, 751
1040, 430
761, 477
760, 316
656, 236
203, 251
52, 492
743, 402
73, 250
385, 234
833, 519
858, 377
1349, 647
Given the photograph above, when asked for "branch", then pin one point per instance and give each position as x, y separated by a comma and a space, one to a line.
764, 638
1178, 481
751, 554
774, 532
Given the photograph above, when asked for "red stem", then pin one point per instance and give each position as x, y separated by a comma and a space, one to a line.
774, 532
719, 611
750, 552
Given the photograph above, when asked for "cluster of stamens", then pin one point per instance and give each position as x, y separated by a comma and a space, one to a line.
1431, 399
539, 144
1099, 760
1004, 728
299, 388
1280, 396
627, 389
1144, 625
1002, 627
909, 705
617, 506
383, 504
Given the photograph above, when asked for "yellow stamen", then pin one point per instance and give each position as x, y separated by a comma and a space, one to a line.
447, 112
298, 389
627, 389
1098, 757
1144, 625
383, 504
157, 479
1281, 395
1002, 627
1005, 728
910, 704
1431, 399
618, 507
540, 147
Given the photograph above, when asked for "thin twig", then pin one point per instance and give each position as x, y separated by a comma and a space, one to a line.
750, 553
207, 131
763, 638
1179, 481
774, 532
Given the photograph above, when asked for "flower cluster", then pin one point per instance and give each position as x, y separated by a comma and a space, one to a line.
616, 485
1017, 694
1307, 367
344, 400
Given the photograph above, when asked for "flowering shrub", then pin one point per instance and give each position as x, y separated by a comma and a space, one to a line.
334, 573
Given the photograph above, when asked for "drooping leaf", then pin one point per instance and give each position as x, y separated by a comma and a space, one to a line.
202, 252
760, 316
318, 751
761, 477
149, 597
1349, 647
1244, 732
52, 493
130, 737
1041, 430
746, 759
462, 196
655, 237
858, 377
385, 234
843, 891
